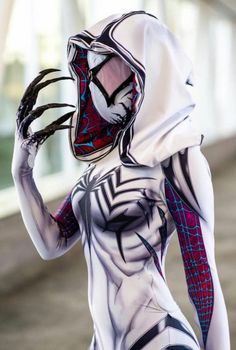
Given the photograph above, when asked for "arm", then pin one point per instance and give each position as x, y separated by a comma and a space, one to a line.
51, 235
189, 197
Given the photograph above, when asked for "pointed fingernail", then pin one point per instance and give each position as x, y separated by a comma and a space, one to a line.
50, 70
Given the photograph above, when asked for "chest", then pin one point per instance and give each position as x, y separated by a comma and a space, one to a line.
117, 199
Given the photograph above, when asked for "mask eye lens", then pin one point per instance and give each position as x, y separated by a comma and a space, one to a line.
113, 74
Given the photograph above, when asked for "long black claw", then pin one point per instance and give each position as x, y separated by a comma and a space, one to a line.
26, 102
50, 81
49, 130
61, 127
55, 125
38, 79
40, 136
36, 113
62, 119
49, 70
33, 94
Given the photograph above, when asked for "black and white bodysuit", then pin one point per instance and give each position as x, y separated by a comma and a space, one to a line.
146, 180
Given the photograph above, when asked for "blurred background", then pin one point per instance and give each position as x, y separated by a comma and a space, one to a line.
43, 304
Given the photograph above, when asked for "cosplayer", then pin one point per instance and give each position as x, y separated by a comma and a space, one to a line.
146, 180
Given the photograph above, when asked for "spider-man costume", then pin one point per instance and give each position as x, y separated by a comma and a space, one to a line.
146, 180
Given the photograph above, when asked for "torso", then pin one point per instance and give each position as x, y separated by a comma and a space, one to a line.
126, 228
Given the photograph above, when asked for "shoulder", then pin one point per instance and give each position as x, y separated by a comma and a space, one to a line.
187, 173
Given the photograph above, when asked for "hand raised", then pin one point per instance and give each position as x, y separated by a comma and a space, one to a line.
27, 142
26, 114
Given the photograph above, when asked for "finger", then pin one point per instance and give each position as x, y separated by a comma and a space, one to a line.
41, 109
62, 119
40, 136
30, 99
50, 129
50, 81
55, 125
33, 97
41, 75
36, 113
21, 111
49, 70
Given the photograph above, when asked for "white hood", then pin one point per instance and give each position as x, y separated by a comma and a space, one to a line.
161, 123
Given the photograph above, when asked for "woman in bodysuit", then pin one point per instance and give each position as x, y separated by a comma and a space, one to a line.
146, 180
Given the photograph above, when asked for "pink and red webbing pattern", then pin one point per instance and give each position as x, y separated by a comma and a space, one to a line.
65, 218
196, 266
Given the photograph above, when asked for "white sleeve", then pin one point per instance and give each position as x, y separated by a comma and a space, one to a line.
52, 235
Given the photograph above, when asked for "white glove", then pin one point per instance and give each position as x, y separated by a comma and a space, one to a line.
27, 143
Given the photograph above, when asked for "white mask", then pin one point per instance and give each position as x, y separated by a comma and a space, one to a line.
110, 84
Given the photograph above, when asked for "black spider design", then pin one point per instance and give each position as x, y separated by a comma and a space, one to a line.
123, 220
